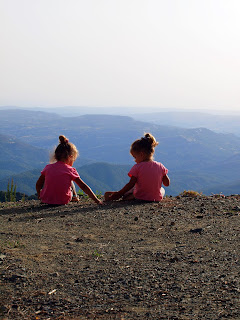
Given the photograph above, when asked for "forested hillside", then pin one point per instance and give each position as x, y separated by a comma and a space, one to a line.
17, 156
196, 158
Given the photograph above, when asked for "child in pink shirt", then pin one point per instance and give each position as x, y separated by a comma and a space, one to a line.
54, 186
146, 176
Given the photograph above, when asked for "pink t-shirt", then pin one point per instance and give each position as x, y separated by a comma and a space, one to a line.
149, 176
57, 184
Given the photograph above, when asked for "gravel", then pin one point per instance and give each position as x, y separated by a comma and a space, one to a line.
178, 259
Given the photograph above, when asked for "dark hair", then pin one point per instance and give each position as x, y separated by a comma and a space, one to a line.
146, 144
65, 149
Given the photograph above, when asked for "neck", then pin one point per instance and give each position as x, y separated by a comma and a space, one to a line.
146, 159
63, 160
67, 161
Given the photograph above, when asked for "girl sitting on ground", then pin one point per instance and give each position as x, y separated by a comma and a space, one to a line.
55, 184
146, 176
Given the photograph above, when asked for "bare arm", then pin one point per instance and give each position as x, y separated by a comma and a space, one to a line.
166, 180
117, 195
85, 188
39, 184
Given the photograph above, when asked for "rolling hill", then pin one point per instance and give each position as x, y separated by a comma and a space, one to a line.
103, 177
99, 176
17, 156
196, 158
186, 119
105, 138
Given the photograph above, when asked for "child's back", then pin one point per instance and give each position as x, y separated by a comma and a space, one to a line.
146, 175
57, 184
149, 176
54, 186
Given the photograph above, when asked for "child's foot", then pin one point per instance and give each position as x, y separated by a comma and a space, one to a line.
107, 195
75, 198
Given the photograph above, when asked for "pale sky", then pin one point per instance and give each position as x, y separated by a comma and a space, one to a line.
153, 53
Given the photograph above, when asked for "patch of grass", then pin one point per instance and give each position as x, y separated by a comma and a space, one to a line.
190, 193
10, 195
99, 194
96, 254
82, 194
218, 195
12, 244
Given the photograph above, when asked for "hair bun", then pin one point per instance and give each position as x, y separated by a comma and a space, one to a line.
150, 138
63, 139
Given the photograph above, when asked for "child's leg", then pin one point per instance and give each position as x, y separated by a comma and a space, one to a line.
127, 196
162, 191
75, 197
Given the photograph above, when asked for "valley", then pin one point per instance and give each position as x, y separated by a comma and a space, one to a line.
197, 158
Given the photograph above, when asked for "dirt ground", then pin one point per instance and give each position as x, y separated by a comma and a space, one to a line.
178, 259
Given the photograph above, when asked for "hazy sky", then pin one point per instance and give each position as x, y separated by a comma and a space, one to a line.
158, 53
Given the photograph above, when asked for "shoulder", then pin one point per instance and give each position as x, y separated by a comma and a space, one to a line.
73, 171
161, 166
134, 169
46, 168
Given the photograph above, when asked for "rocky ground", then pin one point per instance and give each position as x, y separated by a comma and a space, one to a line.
178, 259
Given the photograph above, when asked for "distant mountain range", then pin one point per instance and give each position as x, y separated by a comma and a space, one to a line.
17, 156
197, 159
218, 123
108, 138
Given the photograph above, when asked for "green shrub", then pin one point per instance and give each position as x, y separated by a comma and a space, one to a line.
10, 195
190, 193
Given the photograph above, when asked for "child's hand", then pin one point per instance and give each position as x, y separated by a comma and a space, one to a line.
114, 196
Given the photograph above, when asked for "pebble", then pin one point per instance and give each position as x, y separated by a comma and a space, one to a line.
237, 208
197, 230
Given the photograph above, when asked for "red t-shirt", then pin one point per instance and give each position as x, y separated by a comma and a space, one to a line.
57, 184
149, 176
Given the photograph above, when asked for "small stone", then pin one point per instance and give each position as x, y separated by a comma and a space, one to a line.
16, 278
237, 208
175, 259
55, 274
197, 230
